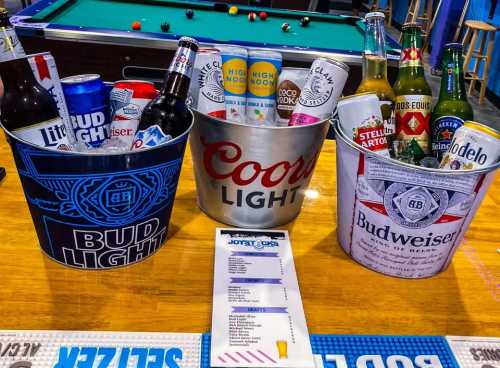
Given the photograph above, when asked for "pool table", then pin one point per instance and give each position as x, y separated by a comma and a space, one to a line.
96, 36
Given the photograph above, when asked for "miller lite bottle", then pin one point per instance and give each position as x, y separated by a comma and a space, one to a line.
167, 116
28, 111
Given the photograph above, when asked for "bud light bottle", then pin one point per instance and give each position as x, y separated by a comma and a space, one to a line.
167, 116
28, 110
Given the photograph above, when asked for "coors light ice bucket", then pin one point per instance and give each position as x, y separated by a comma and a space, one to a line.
399, 219
250, 176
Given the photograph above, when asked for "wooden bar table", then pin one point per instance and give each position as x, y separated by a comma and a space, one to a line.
172, 290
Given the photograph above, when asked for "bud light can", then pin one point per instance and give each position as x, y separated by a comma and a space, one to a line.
88, 111
473, 146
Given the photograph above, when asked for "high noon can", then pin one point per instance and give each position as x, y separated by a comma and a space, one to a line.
473, 146
263, 70
234, 72
290, 84
318, 98
360, 117
210, 85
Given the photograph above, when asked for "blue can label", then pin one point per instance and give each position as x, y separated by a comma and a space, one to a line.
92, 128
150, 137
442, 133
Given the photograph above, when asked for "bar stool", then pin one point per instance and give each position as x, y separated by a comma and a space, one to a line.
472, 33
387, 11
413, 16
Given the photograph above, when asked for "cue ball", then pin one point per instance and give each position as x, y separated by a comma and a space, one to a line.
190, 13
304, 22
263, 15
136, 25
233, 10
252, 16
285, 27
165, 27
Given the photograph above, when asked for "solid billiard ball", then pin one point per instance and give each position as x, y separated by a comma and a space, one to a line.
252, 16
233, 10
189, 14
285, 27
136, 25
263, 15
304, 22
165, 27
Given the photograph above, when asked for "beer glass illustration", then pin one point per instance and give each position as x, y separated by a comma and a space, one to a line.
282, 349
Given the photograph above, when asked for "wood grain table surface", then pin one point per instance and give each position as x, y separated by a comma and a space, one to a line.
172, 291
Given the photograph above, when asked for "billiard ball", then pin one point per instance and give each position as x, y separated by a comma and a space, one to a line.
165, 27
189, 14
233, 10
136, 25
304, 22
285, 27
263, 15
252, 16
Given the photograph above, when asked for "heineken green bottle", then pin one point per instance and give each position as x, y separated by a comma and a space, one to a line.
413, 100
452, 108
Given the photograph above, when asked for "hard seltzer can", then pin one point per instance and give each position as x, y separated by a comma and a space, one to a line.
323, 86
473, 146
210, 99
360, 117
290, 84
234, 71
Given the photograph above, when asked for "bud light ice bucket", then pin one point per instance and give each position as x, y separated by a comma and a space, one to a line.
253, 176
399, 219
98, 211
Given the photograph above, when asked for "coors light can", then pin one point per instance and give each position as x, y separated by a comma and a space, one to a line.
473, 146
290, 83
323, 86
360, 117
210, 88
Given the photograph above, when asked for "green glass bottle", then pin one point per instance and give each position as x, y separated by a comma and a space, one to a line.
413, 100
452, 108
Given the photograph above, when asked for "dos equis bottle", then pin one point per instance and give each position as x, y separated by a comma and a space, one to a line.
375, 71
452, 108
167, 116
413, 100
10, 47
28, 110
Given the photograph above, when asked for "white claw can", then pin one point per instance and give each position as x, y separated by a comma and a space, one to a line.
234, 72
361, 119
320, 94
210, 86
473, 146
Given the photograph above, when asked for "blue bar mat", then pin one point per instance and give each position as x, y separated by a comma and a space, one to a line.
372, 351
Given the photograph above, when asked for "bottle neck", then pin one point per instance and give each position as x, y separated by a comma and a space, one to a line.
410, 62
375, 58
179, 73
4, 20
452, 80
16, 73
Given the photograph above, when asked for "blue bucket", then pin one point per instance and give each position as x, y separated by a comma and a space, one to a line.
100, 211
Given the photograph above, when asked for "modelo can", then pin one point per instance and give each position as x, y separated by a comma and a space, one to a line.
234, 72
473, 146
210, 89
290, 83
318, 98
85, 96
263, 70
360, 117
45, 72
127, 100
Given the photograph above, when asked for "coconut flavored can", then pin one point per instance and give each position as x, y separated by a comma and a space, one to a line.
322, 89
474, 145
290, 84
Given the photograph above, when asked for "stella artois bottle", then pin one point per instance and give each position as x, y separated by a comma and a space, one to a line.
413, 100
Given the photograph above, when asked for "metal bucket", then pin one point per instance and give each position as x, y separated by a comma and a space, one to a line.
98, 211
399, 219
250, 176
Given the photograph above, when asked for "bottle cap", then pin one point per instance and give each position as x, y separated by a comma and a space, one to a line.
375, 15
411, 25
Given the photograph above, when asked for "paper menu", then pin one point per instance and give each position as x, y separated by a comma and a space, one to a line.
257, 317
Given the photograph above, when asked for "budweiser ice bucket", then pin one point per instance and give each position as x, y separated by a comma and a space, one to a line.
399, 219
250, 176
97, 210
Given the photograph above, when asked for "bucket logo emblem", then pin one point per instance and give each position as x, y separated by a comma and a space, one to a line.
318, 91
211, 84
235, 76
415, 206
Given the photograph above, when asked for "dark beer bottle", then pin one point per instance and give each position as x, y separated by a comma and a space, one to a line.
167, 116
413, 100
452, 108
28, 110
10, 47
